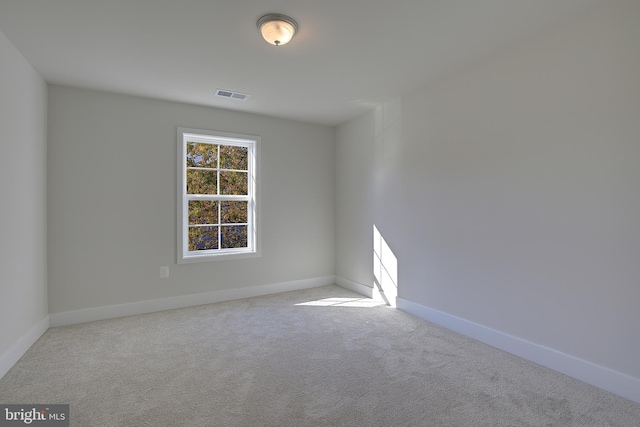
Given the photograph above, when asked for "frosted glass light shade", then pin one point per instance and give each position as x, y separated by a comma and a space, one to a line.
277, 29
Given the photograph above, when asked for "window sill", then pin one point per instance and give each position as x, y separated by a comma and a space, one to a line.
227, 256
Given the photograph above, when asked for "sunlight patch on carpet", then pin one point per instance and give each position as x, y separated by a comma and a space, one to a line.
344, 302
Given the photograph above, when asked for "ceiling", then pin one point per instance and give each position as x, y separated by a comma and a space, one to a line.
348, 56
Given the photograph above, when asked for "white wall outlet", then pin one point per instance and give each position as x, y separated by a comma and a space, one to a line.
164, 272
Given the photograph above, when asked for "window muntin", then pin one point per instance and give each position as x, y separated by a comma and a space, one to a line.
217, 195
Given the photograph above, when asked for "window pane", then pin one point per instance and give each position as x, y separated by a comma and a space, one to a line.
233, 212
203, 212
202, 155
233, 157
234, 236
203, 238
233, 183
201, 182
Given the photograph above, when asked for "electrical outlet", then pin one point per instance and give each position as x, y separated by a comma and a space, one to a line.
164, 272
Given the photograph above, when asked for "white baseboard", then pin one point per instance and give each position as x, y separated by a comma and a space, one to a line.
588, 372
149, 306
356, 287
11, 356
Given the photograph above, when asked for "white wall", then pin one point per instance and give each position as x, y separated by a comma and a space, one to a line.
509, 191
112, 195
354, 199
23, 153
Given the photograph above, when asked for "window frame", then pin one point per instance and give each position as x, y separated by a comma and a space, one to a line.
184, 255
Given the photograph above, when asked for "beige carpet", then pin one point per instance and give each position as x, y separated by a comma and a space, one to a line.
318, 357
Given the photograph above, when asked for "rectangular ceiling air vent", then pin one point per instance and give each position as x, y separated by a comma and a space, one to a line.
231, 94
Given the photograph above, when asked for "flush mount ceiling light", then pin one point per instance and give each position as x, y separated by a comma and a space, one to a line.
277, 29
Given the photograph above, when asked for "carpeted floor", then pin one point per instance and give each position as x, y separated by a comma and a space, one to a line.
317, 357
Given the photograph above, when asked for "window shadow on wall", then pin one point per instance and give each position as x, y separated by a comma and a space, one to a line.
385, 270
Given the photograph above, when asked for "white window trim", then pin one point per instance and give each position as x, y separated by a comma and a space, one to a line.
184, 256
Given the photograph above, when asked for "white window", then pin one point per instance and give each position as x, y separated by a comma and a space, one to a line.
217, 188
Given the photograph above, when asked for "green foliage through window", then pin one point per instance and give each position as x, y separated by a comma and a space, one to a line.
217, 170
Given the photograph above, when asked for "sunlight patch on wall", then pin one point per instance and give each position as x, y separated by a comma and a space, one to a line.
385, 269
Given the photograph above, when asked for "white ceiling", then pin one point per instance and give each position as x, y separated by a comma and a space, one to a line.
347, 56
